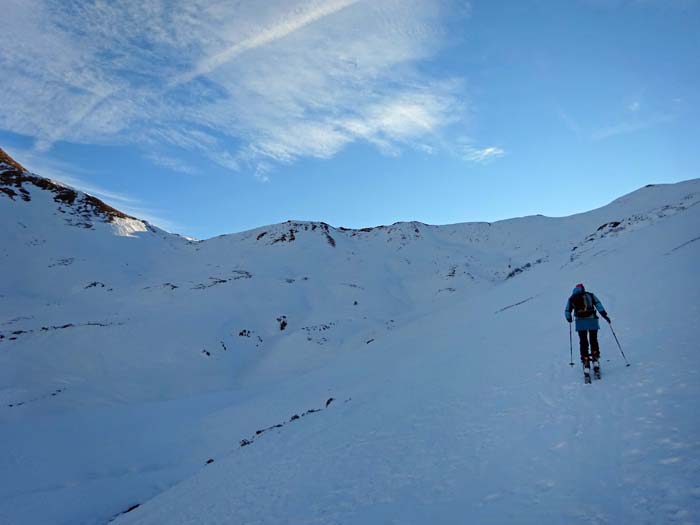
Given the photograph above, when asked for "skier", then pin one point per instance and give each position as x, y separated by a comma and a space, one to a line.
584, 305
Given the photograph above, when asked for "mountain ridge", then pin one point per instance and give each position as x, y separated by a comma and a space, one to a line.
12, 178
435, 352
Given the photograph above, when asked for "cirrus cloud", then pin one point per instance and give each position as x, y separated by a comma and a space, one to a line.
245, 84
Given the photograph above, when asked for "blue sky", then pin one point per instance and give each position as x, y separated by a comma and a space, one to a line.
209, 117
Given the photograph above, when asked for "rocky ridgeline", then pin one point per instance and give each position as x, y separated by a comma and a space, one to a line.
289, 231
81, 209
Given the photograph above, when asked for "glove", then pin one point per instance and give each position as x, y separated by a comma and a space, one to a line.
605, 316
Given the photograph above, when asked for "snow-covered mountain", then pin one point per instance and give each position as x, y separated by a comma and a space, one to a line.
405, 373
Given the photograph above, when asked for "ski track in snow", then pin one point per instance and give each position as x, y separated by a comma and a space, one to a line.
683, 245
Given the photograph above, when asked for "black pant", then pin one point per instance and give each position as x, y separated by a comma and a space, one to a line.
583, 337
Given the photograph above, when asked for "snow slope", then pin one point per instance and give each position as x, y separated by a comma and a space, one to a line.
129, 357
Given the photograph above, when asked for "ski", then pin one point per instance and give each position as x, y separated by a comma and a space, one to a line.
596, 370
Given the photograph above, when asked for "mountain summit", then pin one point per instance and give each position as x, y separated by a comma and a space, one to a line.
9, 161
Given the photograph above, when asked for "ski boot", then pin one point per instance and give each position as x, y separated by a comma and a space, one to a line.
587, 371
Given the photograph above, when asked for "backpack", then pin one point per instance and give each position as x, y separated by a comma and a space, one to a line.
583, 305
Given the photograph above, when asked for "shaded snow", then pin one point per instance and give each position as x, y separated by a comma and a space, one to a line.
130, 361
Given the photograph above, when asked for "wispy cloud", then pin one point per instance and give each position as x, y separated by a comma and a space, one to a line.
172, 163
634, 118
479, 155
631, 126
570, 122
246, 84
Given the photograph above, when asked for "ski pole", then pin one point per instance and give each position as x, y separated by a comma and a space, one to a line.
571, 348
618, 344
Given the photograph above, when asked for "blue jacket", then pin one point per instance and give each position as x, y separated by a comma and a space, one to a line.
584, 323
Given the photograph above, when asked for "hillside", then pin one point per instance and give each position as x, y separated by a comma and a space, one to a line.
428, 367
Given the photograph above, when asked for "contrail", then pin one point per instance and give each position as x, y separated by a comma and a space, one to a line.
266, 36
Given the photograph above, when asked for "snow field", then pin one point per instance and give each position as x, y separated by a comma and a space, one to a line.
448, 406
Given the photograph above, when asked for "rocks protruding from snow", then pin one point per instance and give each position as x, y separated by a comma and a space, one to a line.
633, 222
611, 225
295, 417
524, 267
12, 336
249, 334
282, 320
7, 162
20, 403
77, 208
81, 205
127, 511
315, 333
288, 232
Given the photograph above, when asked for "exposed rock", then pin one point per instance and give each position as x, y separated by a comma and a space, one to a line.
282, 320
82, 206
6, 159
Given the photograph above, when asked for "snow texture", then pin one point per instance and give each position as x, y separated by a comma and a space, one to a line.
300, 373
